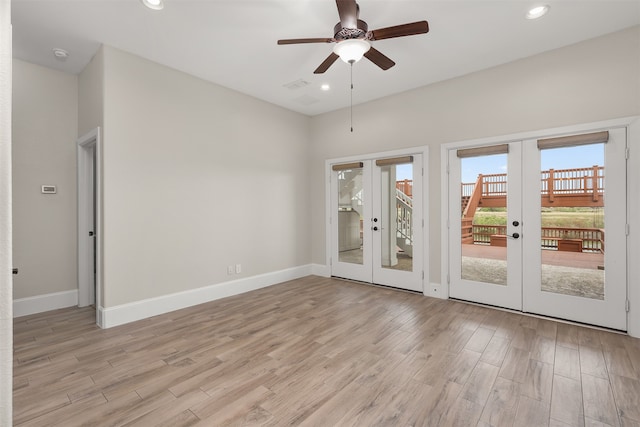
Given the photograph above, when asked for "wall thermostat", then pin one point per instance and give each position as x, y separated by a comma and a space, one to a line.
49, 189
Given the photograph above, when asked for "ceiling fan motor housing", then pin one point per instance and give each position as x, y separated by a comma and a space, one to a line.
360, 32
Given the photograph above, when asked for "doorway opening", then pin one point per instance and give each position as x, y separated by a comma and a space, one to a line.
89, 221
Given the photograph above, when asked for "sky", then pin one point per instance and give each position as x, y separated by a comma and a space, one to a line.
404, 172
558, 158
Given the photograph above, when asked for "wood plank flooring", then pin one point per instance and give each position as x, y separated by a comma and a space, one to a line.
323, 352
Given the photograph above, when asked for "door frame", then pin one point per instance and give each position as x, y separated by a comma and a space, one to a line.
87, 145
424, 152
632, 125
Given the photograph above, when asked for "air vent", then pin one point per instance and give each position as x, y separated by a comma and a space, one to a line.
297, 84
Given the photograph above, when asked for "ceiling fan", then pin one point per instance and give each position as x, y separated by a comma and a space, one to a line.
352, 38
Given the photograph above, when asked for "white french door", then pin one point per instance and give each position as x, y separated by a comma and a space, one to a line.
539, 225
585, 278
486, 261
376, 221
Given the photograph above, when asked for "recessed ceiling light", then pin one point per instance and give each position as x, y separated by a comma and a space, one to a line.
537, 12
60, 54
325, 87
153, 4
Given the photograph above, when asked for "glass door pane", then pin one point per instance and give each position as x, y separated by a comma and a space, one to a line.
397, 223
572, 218
483, 203
350, 216
396, 217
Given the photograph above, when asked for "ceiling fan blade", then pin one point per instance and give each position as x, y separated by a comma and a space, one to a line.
420, 27
348, 11
326, 63
379, 59
299, 41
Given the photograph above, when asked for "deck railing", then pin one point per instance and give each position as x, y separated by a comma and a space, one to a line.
553, 182
494, 185
592, 238
404, 220
467, 189
573, 181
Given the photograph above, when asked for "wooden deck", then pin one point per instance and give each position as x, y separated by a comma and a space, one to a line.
549, 257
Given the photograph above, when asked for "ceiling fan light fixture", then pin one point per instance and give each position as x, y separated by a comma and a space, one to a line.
351, 50
537, 12
153, 4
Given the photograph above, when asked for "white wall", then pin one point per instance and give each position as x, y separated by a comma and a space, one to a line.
45, 112
590, 81
196, 177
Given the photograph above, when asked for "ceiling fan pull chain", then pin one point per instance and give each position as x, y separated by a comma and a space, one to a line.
351, 96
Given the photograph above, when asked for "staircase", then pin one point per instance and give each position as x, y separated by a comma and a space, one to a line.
464, 202
404, 222
350, 200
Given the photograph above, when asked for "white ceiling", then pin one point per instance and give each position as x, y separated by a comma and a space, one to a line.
233, 42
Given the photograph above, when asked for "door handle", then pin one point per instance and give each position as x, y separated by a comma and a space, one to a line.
374, 228
14, 271
514, 236
91, 234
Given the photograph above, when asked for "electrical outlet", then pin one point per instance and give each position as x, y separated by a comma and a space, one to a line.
238, 268
230, 269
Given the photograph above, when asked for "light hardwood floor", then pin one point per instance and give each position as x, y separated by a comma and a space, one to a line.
323, 352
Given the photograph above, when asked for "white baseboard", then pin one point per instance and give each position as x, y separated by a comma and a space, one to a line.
321, 270
42, 303
138, 310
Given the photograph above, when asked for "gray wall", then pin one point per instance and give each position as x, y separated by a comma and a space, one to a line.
91, 94
45, 116
196, 177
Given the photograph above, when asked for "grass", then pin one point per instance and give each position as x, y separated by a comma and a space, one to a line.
551, 217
